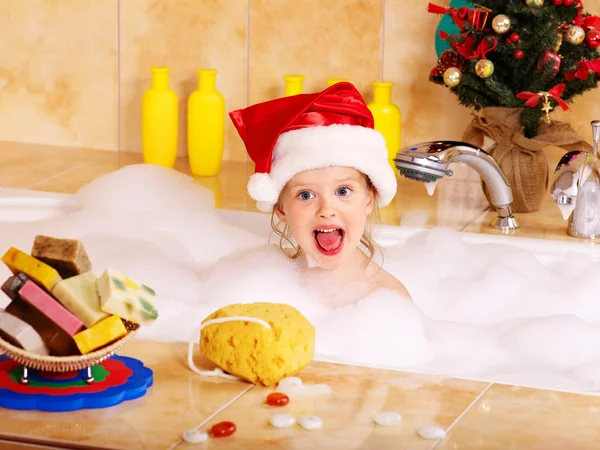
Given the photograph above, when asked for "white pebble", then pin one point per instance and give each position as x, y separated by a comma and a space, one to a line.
195, 436
311, 422
387, 418
290, 382
432, 432
282, 420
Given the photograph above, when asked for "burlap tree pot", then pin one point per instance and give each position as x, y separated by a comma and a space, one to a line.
522, 159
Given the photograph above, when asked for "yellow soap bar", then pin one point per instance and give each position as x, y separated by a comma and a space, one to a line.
103, 333
18, 261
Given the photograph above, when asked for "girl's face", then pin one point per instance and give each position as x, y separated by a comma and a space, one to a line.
326, 210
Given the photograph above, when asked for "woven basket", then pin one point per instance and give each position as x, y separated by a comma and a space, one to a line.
67, 363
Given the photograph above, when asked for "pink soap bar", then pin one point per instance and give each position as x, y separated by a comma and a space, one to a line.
47, 305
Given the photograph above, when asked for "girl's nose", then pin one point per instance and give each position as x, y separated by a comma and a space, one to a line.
325, 210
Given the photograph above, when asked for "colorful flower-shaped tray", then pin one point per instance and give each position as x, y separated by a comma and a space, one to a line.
115, 380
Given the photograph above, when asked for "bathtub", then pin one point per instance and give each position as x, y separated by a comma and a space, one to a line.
18, 205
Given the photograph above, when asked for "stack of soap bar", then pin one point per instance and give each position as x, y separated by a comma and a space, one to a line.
47, 305
13, 284
67, 256
122, 296
101, 334
79, 294
20, 334
41, 273
59, 342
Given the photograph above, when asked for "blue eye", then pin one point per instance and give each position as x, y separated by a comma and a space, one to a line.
343, 192
305, 195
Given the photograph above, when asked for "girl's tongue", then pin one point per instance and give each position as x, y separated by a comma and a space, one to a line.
329, 241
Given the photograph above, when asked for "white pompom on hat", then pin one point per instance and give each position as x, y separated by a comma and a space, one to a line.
290, 135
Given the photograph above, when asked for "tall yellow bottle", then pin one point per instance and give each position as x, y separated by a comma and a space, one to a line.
293, 84
159, 120
206, 126
388, 120
332, 81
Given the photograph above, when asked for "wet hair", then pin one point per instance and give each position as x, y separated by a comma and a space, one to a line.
367, 244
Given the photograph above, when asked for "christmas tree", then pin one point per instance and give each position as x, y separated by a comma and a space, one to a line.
527, 54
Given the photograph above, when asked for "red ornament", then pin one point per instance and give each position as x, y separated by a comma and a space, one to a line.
592, 38
223, 429
568, 2
514, 37
519, 54
277, 399
557, 2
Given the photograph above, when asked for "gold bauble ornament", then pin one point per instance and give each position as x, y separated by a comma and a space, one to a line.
501, 24
534, 2
484, 68
452, 76
575, 35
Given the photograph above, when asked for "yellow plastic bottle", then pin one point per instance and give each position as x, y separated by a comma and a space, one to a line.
388, 119
293, 84
206, 126
159, 120
332, 81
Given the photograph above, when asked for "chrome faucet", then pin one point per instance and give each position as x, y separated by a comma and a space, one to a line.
576, 190
428, 162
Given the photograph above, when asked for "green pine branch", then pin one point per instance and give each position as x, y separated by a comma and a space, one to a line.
538, 28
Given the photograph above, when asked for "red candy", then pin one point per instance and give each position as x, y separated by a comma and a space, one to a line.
277, 399
223, 429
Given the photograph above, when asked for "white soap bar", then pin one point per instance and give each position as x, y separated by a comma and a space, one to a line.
79, 294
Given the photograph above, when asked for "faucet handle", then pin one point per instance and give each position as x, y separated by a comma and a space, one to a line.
596, 131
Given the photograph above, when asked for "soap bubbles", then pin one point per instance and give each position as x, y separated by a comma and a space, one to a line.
486, 311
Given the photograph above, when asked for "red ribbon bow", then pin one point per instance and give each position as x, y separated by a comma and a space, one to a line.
458, 15
533, 99
476, 17
591, 22
486, 45
582, 72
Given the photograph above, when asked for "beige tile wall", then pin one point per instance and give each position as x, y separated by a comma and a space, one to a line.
72, 72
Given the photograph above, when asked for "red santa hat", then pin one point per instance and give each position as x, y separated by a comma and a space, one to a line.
293, 134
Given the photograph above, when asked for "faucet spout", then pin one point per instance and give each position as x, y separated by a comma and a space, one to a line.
576, 190
429, 161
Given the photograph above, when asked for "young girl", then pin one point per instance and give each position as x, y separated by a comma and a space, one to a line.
322, 170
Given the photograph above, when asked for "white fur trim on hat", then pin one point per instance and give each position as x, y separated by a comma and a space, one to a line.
325, 146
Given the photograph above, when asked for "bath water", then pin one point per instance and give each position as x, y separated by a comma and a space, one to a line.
488, 311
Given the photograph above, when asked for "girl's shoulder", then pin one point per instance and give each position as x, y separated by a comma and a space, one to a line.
381, 279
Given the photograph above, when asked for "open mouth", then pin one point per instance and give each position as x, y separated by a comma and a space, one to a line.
329, 241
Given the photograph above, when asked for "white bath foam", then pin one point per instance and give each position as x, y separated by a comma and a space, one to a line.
489, 311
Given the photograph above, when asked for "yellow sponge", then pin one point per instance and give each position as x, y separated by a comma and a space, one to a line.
254, 352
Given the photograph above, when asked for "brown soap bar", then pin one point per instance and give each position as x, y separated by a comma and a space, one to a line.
13, 284
57, 340
67, 256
